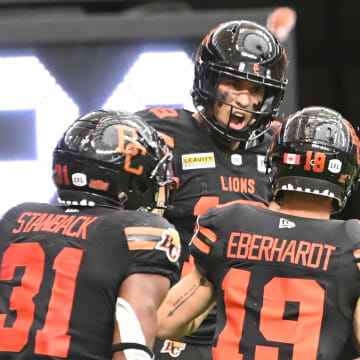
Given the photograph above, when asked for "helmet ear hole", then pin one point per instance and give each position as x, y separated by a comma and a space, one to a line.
122, 197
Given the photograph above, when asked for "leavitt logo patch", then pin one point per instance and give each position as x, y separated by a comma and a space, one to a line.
198, 161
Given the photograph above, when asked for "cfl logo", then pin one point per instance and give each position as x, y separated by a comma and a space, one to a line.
79, 179
335, 166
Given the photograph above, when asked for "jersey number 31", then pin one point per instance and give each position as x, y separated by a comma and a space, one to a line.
52, 339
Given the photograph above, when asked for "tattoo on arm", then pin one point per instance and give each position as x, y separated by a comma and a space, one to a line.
186, 296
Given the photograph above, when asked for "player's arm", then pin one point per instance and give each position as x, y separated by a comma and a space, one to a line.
185, 306
353, 230
154, 249
144, 294
356, 326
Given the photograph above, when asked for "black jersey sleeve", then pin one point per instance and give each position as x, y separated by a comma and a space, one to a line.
162, 119
349, 290
165, 121
353, 231
154, 246
6, 222
9, 219
205, 245
12, 212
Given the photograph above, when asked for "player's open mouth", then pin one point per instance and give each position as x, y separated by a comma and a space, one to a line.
238, 122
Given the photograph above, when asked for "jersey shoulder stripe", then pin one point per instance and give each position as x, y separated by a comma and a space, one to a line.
203, 239
200, 245
142, 244
143, 230
150, 238
207, 233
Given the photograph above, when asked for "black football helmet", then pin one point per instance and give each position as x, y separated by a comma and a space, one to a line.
111, 158
240, 50
315, 151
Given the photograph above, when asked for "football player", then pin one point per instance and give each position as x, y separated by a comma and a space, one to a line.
219, 151
65, 269
286, 282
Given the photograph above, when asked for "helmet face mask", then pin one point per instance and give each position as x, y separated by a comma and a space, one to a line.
315, 151
111, 158
241, 50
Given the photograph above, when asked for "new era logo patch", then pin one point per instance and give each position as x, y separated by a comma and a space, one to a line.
285, 223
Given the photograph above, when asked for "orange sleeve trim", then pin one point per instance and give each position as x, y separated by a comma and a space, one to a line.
249, 202
143, 230
200, 245
169, 140
208, 233
142, 245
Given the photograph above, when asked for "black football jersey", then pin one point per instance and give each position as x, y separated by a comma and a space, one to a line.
286, 286
209, 174
60, 273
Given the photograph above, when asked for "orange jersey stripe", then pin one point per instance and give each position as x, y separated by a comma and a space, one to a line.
144, 230
208, 233
200, 245
142, 245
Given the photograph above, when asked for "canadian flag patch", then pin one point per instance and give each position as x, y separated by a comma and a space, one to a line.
291, 159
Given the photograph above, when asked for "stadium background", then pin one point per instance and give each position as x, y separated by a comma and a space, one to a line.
59, 59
